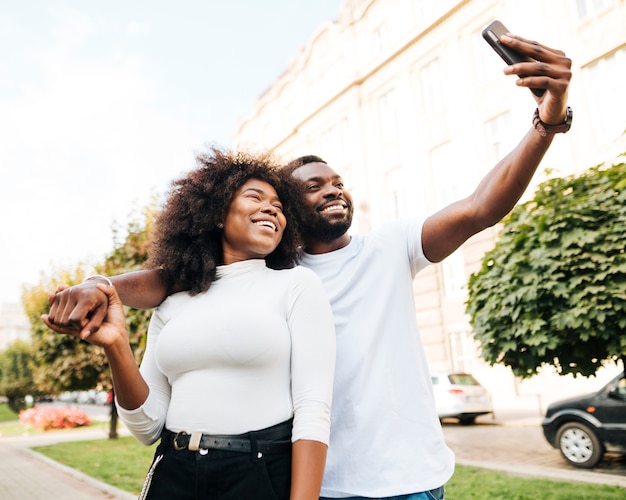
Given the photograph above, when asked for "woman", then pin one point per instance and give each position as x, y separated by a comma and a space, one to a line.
242, 365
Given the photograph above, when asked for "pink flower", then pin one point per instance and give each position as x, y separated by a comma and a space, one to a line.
54, 417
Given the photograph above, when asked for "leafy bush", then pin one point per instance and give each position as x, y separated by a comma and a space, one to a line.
553, 290
16, 374
54, 417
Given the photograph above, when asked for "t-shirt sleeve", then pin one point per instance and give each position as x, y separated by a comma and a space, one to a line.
312, 357
412, 229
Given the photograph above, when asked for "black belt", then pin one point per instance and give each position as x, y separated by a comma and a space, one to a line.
274, 439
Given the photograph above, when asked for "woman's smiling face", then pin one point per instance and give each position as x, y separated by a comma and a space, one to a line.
254, 224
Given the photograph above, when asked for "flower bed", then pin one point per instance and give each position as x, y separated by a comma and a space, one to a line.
54, 417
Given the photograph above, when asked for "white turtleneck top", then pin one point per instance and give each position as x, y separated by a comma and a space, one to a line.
254, 350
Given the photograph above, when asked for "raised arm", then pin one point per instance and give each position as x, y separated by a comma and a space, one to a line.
503, 186
83, 307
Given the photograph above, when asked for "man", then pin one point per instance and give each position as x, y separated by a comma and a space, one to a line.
386, 440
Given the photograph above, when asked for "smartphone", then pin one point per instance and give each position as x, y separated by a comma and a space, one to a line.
492, 34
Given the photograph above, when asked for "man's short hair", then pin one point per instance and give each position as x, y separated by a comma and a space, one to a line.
302, 160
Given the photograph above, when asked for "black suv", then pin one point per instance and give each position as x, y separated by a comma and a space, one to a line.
584, 427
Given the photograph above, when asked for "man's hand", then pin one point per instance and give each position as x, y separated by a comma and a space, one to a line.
552, 72
77, 310
110, 331
499, 190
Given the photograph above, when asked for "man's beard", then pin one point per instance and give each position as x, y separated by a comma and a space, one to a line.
316, 227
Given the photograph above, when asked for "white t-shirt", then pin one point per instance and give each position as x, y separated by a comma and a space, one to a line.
386, 438
255, 349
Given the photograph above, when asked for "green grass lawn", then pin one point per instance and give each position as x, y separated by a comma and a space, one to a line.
123, 463
472, 483
6, 414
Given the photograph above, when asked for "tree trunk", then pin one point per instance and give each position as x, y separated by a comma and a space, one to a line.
16, 404
113, 422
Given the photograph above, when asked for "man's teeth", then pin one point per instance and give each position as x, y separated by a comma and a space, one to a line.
333, 208
266, 223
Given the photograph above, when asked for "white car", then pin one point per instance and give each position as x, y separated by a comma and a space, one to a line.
459, 395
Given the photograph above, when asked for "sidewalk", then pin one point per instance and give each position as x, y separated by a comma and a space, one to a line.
27, 475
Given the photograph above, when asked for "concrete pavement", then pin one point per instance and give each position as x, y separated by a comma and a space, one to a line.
27, 475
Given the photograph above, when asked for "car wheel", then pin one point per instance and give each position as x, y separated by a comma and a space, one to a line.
467, 420
579, 445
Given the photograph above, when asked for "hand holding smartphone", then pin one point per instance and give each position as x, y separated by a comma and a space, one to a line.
492, 34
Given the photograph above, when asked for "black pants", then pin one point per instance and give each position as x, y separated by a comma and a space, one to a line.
217, 474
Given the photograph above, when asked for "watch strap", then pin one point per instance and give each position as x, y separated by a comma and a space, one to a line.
544, 129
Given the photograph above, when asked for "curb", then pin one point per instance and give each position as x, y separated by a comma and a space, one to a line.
581, 476
95, 483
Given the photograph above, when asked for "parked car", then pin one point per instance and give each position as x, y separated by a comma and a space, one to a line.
460, 395
584, 427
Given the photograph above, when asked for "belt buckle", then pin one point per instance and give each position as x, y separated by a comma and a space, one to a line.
177, 447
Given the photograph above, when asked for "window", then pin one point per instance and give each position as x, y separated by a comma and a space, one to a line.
448, 176
605, 81
433, 85
388, 118
498, 137
488, 65
463, 351
588, 8
381, 39
454, 278
332, 143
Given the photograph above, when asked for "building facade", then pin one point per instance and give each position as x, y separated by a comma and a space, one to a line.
14, 325
409, 104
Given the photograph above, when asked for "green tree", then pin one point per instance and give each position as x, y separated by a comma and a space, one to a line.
130, 253
62, 362
16, 374
66, 363
553, 290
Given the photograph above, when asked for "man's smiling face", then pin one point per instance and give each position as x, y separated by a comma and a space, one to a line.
328, 206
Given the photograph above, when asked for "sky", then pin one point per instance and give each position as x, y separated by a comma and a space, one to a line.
102, 104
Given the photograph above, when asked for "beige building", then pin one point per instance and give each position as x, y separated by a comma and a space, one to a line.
14, 325
407, 101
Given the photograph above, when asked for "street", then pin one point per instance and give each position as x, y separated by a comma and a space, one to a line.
508, 444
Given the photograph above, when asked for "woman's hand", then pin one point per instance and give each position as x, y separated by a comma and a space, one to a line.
112, 329
77, 310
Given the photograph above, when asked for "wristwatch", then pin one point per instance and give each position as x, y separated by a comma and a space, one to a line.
544, 129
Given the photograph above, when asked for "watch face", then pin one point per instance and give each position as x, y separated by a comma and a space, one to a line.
569, 116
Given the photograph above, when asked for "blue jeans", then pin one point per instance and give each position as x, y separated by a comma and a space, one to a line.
436, 494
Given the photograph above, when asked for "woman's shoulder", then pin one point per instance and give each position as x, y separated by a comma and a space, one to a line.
172, 303
298, 274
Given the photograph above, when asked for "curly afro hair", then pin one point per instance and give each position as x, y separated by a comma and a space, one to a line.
187, 243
